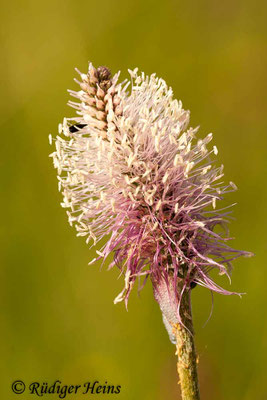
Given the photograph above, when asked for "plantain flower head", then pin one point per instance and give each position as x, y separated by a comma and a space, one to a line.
131, 170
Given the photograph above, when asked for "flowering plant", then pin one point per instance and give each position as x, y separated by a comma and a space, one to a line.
131, 170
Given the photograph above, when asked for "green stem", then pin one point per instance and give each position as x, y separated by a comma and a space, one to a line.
180, 331
186, 352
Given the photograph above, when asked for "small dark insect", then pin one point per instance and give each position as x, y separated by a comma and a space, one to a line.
193, 285
76, 128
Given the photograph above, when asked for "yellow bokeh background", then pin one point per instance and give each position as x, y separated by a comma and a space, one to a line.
58, 320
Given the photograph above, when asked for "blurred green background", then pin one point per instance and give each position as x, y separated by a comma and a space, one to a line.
58, 320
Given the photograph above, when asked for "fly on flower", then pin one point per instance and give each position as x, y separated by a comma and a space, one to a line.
132, 170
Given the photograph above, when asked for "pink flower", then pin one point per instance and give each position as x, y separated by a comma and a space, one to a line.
131, 170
